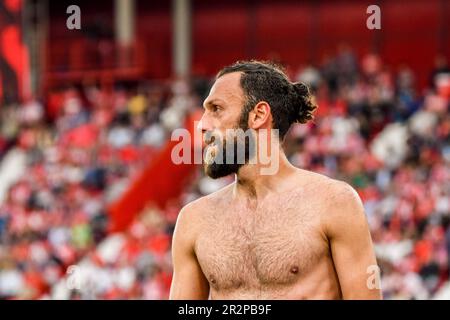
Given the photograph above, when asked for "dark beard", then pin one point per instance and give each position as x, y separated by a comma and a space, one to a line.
220, 170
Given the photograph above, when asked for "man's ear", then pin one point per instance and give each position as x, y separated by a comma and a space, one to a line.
260, 116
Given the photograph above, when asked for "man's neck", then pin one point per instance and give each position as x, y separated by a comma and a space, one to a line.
254, 186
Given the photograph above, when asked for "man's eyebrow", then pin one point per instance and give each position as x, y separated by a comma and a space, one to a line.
213, 101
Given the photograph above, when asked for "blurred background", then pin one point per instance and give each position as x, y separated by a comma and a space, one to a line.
86, 177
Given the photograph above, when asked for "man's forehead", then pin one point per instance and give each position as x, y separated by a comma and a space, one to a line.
226, 87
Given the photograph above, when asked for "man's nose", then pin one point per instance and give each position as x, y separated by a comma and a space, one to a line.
204, 125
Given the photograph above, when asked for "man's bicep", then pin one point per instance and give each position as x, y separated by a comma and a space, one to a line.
188, 281
352, 250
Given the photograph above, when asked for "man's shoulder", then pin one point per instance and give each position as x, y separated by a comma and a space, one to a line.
198, 207
335, 200
327, 188
340, 204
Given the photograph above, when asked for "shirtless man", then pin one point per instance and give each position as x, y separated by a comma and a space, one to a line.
294, 234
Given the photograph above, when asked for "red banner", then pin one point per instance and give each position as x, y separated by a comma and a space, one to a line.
160, 182
14, 64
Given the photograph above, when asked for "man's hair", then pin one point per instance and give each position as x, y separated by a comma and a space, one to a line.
266, 81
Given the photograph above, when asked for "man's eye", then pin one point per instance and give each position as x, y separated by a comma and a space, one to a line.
215, 107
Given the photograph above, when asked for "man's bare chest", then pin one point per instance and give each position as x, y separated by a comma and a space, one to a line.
273, 245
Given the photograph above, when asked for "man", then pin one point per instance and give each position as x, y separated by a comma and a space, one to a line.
293, 234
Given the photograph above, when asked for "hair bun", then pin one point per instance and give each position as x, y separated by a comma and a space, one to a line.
304, 103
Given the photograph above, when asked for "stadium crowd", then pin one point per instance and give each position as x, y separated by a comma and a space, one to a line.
77, 163
373, 129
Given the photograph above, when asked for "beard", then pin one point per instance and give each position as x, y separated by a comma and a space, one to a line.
216, 160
